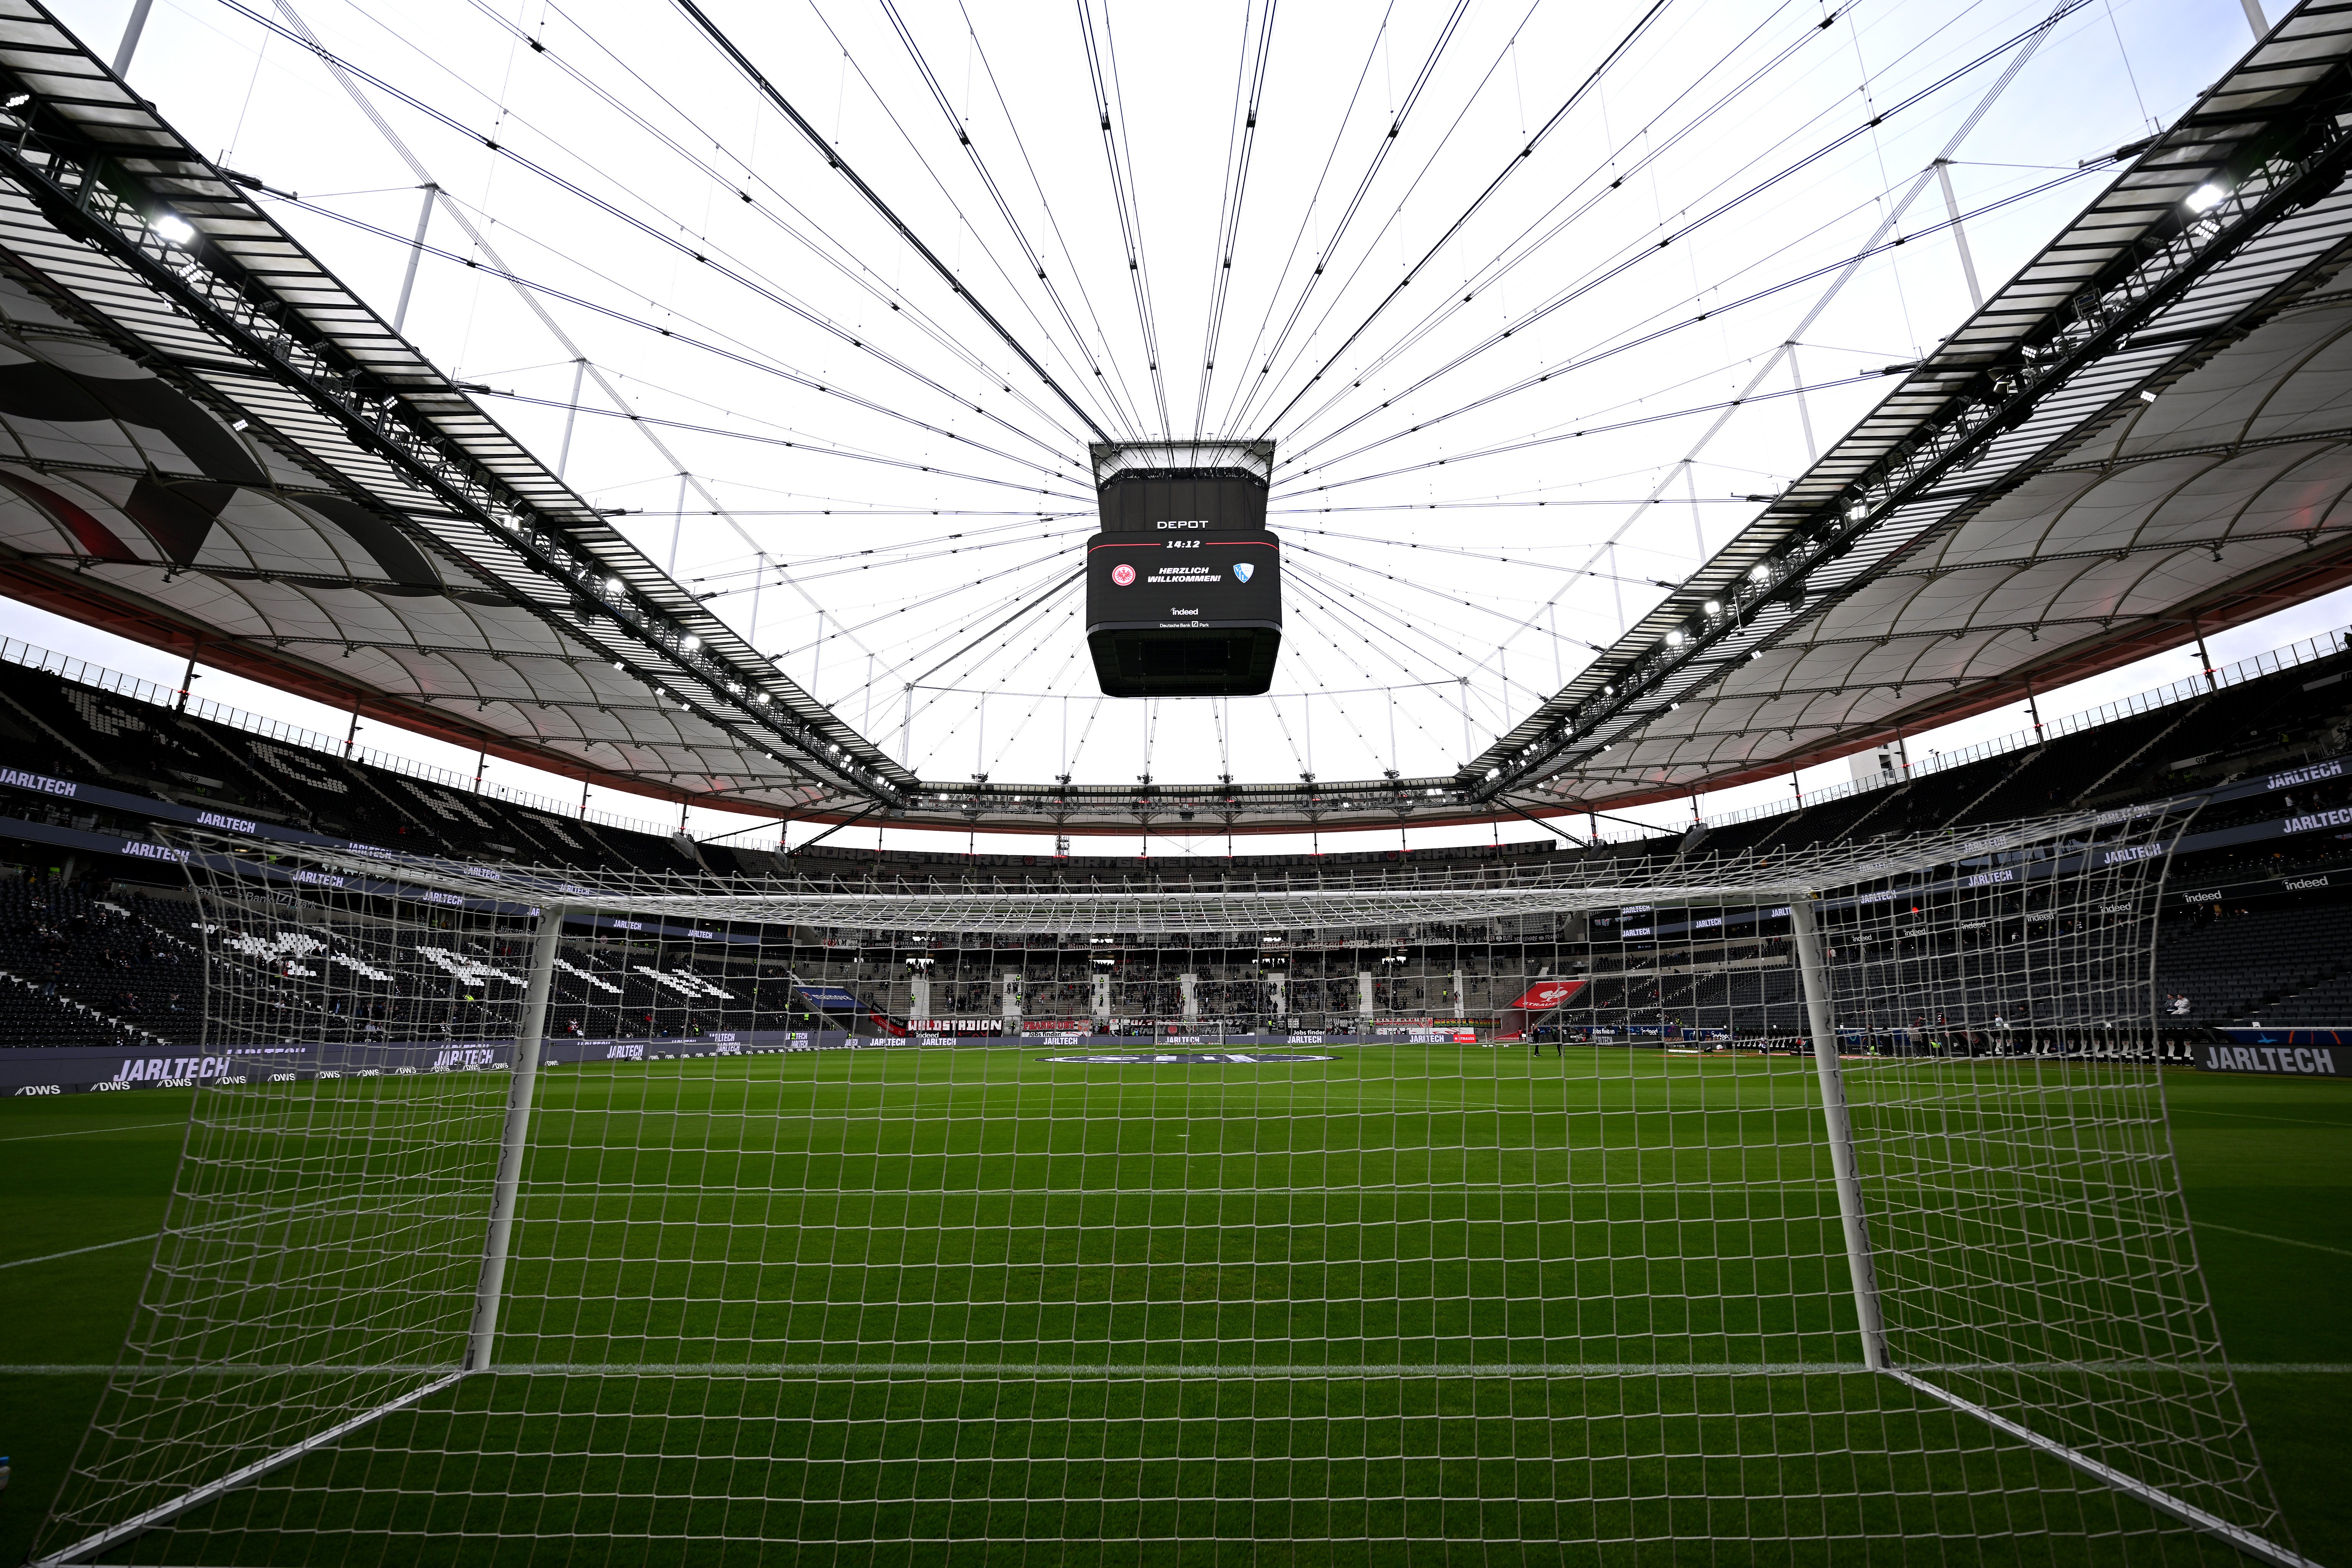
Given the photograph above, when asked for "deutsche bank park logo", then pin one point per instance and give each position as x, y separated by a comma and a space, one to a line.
1244, 571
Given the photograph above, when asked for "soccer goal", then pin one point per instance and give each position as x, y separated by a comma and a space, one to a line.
1796, 1206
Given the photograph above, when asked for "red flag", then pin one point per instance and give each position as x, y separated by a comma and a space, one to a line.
1545, 994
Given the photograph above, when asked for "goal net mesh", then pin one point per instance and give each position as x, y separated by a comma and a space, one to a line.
1414, 1218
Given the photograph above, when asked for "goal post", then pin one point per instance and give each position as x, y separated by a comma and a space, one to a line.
1837, 1128
1820, 1197
514, 1134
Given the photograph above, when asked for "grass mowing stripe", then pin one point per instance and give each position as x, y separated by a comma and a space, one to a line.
2266, 1236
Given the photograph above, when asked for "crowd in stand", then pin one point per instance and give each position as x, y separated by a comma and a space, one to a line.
81, 964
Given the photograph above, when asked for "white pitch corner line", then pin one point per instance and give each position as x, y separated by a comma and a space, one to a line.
2266, 1236
86, 1131
78, 1251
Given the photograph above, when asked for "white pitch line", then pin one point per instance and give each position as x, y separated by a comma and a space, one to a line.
78, 1251
86, 1131
2266, 1236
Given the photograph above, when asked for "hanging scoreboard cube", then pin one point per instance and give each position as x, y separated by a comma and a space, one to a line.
1184, 583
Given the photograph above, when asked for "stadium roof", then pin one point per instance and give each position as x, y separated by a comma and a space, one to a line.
2140, 440
208, 443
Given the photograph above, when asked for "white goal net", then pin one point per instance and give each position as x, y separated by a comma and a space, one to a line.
1781, 1208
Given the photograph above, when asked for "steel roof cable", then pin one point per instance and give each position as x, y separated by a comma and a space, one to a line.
1054, 222
849, 267
768, 90
1093, 714
913, 641
1606, 272
1322, 691
1498, 505
943, 594
351, 75
1644, 340
1242, 140
1323, 587
1004, 209
1044, 600
904, 560
1568, 106
1502, 702
847, 509
733, 571
1483, 609
2025, 48
1501, 559
1491, 272
776, 368
2030, 39
301, 31
1363, 186
1300, 232
940, 694
1124, 197
964, 221
1041, 699
1529, 444
652, 422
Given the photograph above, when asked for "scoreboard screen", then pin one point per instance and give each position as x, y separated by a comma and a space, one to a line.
1183, 584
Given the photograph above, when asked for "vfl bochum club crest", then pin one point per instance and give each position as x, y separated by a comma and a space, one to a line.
1244, 571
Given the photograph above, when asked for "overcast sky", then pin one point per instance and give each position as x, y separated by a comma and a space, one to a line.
1482, 474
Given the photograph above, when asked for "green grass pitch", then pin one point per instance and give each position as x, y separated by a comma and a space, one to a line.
1039, 1312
